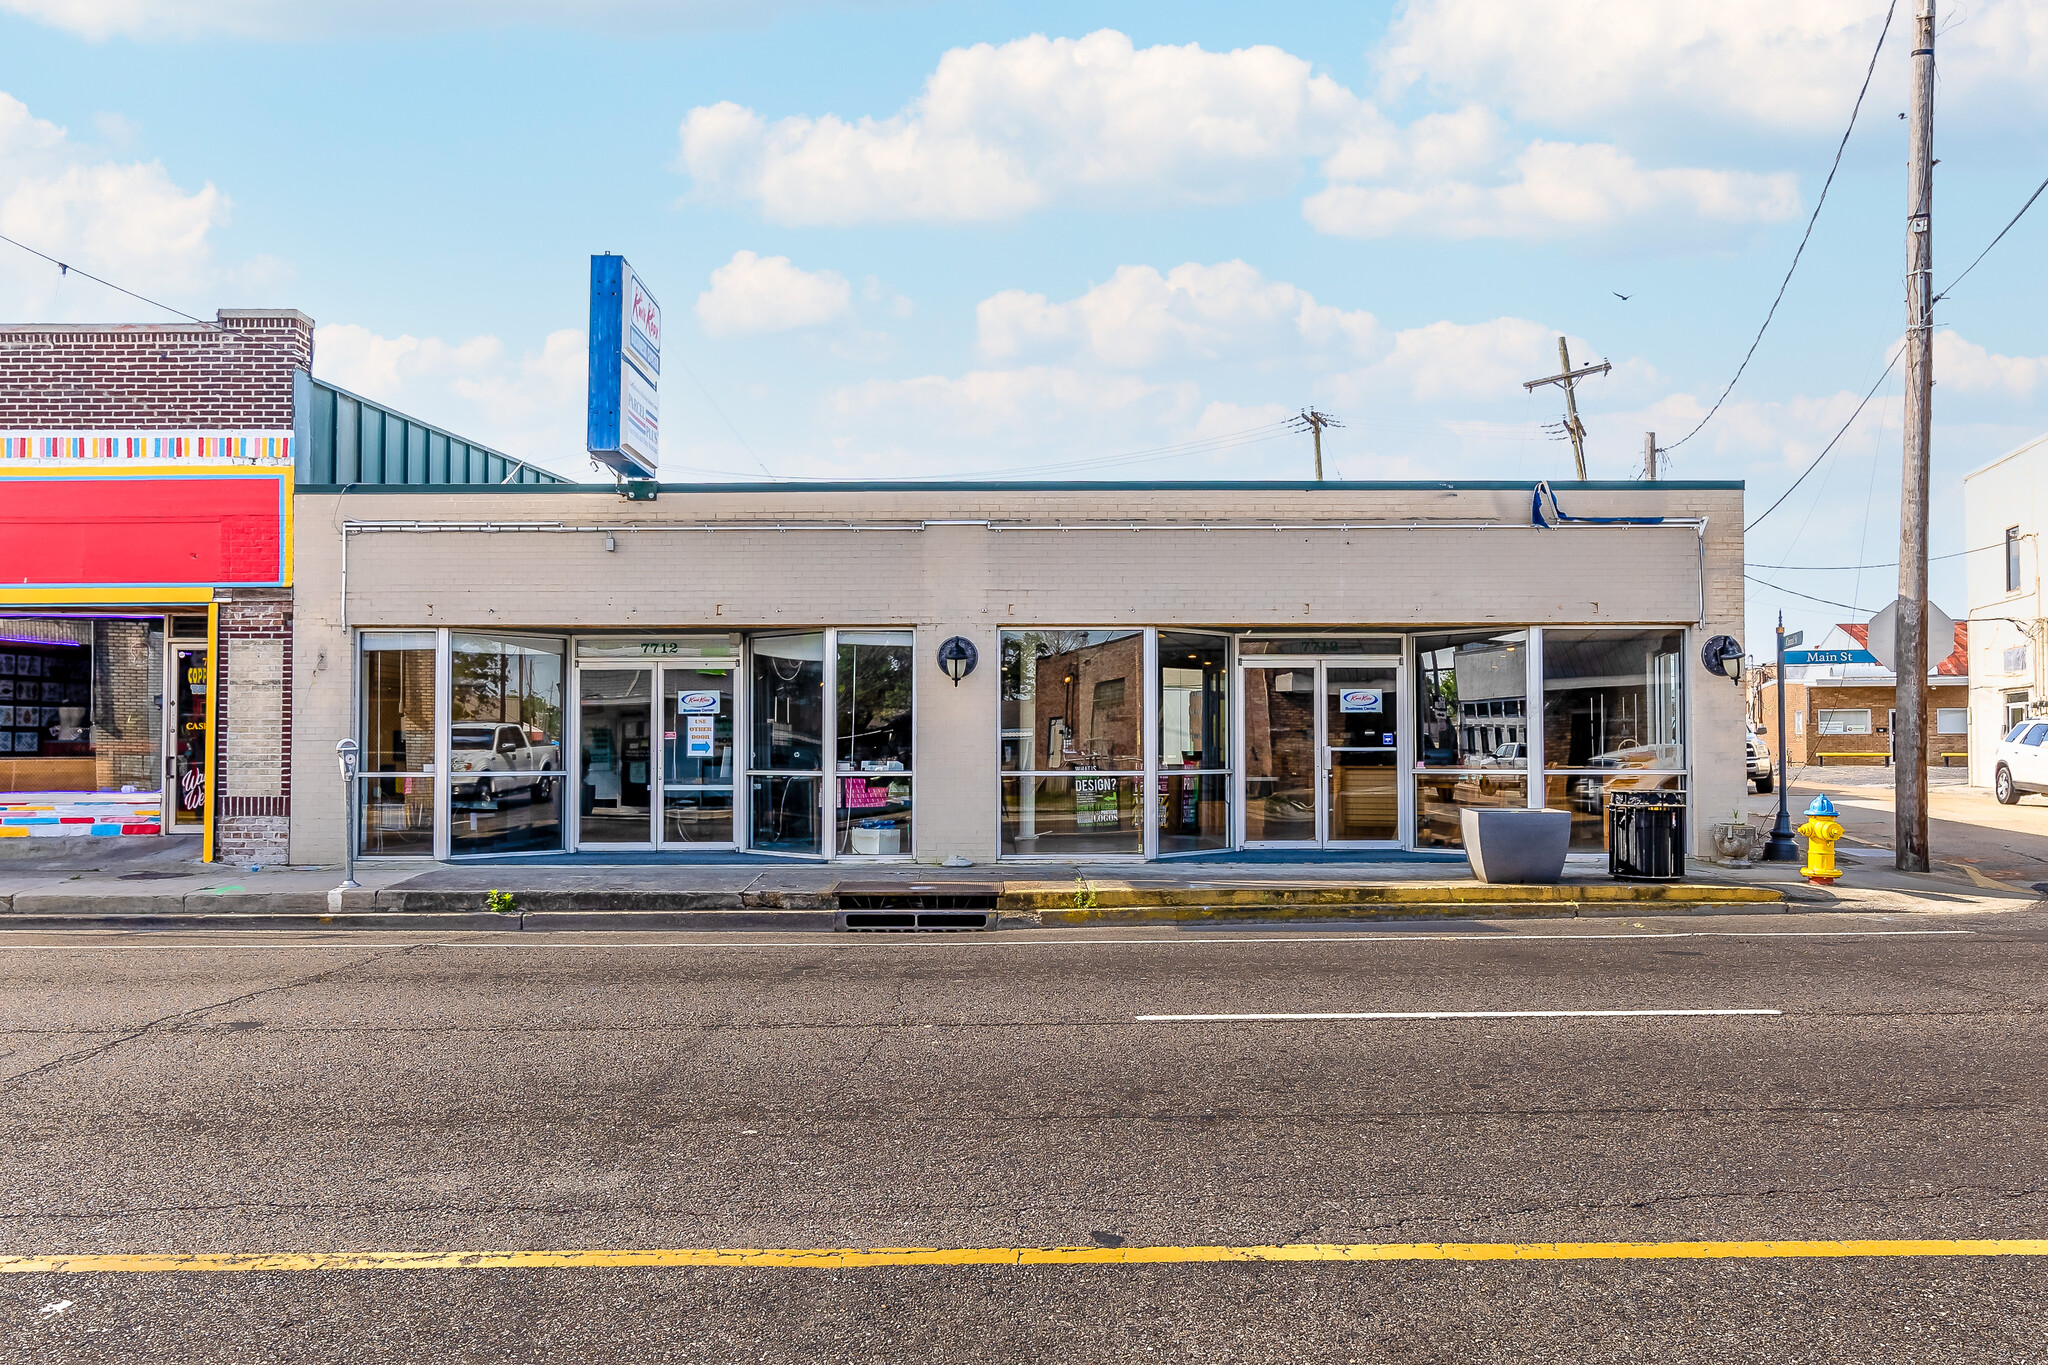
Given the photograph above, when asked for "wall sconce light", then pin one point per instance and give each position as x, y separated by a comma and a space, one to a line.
957, 657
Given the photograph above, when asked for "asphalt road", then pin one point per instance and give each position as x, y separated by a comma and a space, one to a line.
291, 1093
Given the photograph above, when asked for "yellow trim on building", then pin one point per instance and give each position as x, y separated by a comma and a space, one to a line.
212, 711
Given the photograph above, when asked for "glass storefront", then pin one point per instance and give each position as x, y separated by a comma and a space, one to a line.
1073, 711
505, 764
1194, 742
697, 741
1471, 721
1613, 720
396, 804
875, 682
1113, 742
616, 756
788, 756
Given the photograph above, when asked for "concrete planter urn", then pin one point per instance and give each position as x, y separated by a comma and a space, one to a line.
1516, 846
1735, 842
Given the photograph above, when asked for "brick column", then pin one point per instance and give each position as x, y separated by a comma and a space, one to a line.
252, 678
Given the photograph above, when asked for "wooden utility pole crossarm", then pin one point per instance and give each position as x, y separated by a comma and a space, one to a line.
1909, 730
1572, 425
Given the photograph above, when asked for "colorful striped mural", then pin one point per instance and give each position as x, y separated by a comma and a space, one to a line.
146, 447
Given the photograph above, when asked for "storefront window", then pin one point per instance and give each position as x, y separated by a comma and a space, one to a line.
1611, 700
1088, 816
788, 699
396, 814
873, 724
1194, 742
81, 708
506, 770
1587, 795
1073, 703
1471, 700
1613, 720
1440, 797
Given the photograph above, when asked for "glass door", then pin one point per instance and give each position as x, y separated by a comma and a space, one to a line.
615, 758
185, 791
1361, 754
1281, 748
1322, 753
786, 772
697, 756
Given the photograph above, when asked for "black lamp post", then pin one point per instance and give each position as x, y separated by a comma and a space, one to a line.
1782, 848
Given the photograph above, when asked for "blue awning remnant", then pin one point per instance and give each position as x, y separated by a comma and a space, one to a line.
1558, 518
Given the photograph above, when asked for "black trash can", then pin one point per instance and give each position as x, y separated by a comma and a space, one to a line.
1646, 835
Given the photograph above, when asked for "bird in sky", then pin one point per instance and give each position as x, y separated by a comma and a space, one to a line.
1623, 297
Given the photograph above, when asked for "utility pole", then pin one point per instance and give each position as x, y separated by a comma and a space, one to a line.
1312, 421
1650, 456
1572, 425
1909, 842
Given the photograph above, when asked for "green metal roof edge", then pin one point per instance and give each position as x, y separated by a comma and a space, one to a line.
552, 479
1476, 486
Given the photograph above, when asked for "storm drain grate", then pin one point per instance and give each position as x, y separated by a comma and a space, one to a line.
908, 907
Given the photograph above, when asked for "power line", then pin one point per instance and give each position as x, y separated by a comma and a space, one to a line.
1830, 445
1994, 241
1888, 564
1786, 283
66, 268
1824, 601
721, 414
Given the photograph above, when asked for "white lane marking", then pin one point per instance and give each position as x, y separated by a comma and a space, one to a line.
898, 942
1441, 1014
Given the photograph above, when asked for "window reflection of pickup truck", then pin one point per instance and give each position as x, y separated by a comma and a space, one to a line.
1507, 756
492, 759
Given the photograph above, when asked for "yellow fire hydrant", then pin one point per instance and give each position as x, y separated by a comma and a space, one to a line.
1822, 831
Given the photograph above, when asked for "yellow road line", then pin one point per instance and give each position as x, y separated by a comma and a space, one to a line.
835, 1258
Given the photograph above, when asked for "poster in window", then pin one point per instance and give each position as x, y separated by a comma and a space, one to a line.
1095, 802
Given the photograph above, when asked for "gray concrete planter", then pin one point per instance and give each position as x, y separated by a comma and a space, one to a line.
1516, 846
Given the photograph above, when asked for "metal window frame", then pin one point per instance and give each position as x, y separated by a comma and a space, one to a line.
1148, 748
1155, 803
828, 748
830, 826
355, 727
1404, 746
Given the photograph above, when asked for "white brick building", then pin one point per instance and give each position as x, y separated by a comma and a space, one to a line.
2003, 519
1162, 669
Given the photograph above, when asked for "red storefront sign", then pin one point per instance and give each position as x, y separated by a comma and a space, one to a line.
191, 530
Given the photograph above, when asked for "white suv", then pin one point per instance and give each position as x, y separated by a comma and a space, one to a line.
2021, 763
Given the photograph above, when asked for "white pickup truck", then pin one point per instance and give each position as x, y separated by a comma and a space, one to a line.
496, 758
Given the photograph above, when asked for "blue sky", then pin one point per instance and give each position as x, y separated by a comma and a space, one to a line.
904, 239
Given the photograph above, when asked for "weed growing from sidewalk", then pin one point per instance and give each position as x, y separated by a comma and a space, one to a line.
499, 902
1084, 894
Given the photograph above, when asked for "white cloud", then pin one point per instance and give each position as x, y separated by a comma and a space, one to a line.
127, 221
1553, 189
1965, 367
1792, 66
1000, 130
279, 19
754, 293
529, 405
1193, 312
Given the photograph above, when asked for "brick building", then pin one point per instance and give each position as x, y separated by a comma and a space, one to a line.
531, 666
1843, 710
146, 558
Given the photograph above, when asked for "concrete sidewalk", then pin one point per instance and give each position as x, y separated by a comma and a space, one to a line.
161, 888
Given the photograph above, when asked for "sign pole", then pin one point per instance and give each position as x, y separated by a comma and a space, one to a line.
1782, 848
